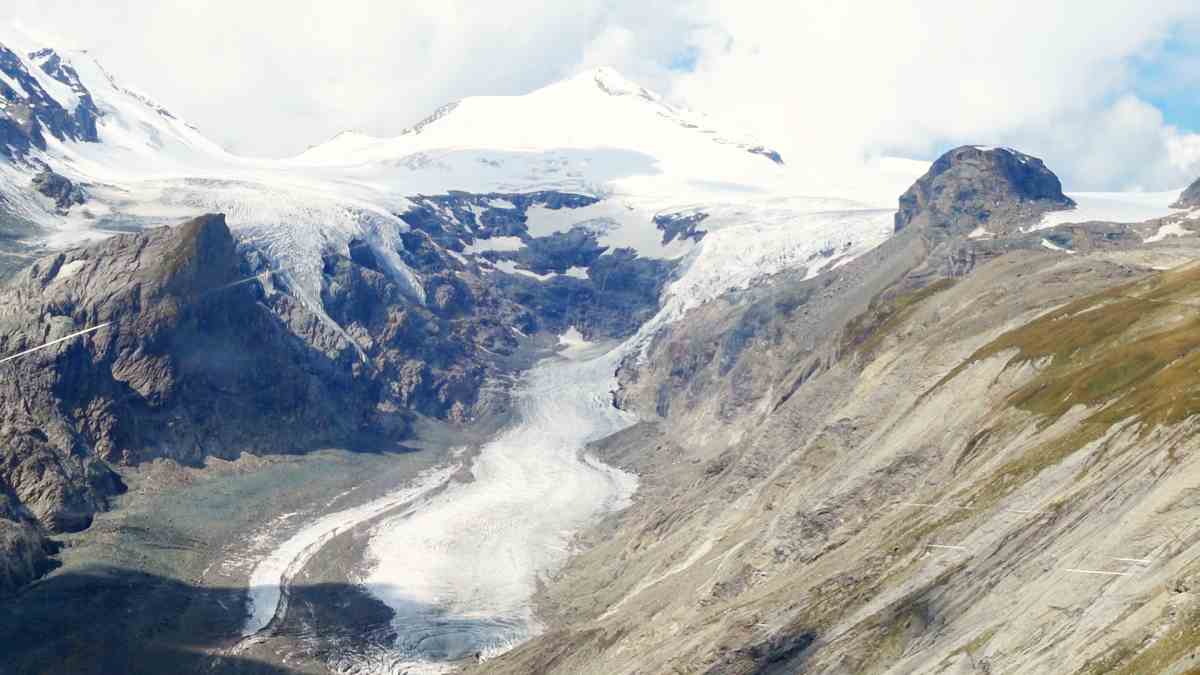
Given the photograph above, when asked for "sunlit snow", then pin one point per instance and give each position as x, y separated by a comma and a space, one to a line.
1115, 207
460, 572
459, 565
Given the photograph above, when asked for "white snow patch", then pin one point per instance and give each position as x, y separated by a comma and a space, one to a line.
1046, 243
1115, 207
573, 343
494, 244
1172, 229
765, 243
510, 267
617, 224
70, 269
979, 232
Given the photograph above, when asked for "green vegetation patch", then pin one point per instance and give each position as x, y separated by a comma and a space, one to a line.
1135, 657
1130, 354
1131, 351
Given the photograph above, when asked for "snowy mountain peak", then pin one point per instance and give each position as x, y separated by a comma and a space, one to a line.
613, 83
596, 109
597, 136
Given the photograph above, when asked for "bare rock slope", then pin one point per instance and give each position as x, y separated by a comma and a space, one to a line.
182, 343
910, 466
183, 362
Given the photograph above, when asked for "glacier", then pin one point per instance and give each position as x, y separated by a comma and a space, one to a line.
459, 561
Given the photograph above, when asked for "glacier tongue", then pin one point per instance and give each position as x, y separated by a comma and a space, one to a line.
460, 572
460, 567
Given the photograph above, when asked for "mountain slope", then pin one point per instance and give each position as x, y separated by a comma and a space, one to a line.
403, 273
865, 431
952, 455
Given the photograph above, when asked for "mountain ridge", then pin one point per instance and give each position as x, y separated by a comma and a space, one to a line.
870, 439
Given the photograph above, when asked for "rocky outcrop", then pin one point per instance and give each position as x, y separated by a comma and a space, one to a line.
24, 548
195, 348
548, 282
30, 113
684, 225
60, 189
428, 357
970, 186
770, 154
184, 362
1190, 198
902, 466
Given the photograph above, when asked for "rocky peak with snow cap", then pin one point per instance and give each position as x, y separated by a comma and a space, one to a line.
615, 84
41, 96
972, 186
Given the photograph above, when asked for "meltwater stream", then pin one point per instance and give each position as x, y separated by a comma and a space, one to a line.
460, 562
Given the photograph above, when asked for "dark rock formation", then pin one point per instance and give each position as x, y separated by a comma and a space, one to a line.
619, 291
1190, 198
681, 225
24, 548
770, 154
188, 364
999, 188
30, 113
59, 188
199, 349
427, 357
457, 219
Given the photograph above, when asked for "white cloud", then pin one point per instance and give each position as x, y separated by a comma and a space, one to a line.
841, 79
829, 84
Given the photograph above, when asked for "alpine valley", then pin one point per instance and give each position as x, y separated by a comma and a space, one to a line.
578, 382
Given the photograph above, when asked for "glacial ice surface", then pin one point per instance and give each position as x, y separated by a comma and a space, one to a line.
460, 572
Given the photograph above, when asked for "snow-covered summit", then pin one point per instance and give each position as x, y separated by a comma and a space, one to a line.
598, 109
613, 83
641, 162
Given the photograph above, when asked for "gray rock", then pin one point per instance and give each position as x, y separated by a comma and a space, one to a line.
24, 548
969, 186
186, 366
59, 188
620, 291
831, 470
31, 113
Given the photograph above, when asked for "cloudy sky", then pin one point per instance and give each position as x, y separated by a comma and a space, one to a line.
1107, 91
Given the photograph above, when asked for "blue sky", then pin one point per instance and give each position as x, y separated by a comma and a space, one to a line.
1169, 77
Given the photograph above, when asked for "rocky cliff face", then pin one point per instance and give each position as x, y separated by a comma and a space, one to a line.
548, 282
971, 186
200, 350
59, 188
31, 114
951, 455
24, 548
186, 363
